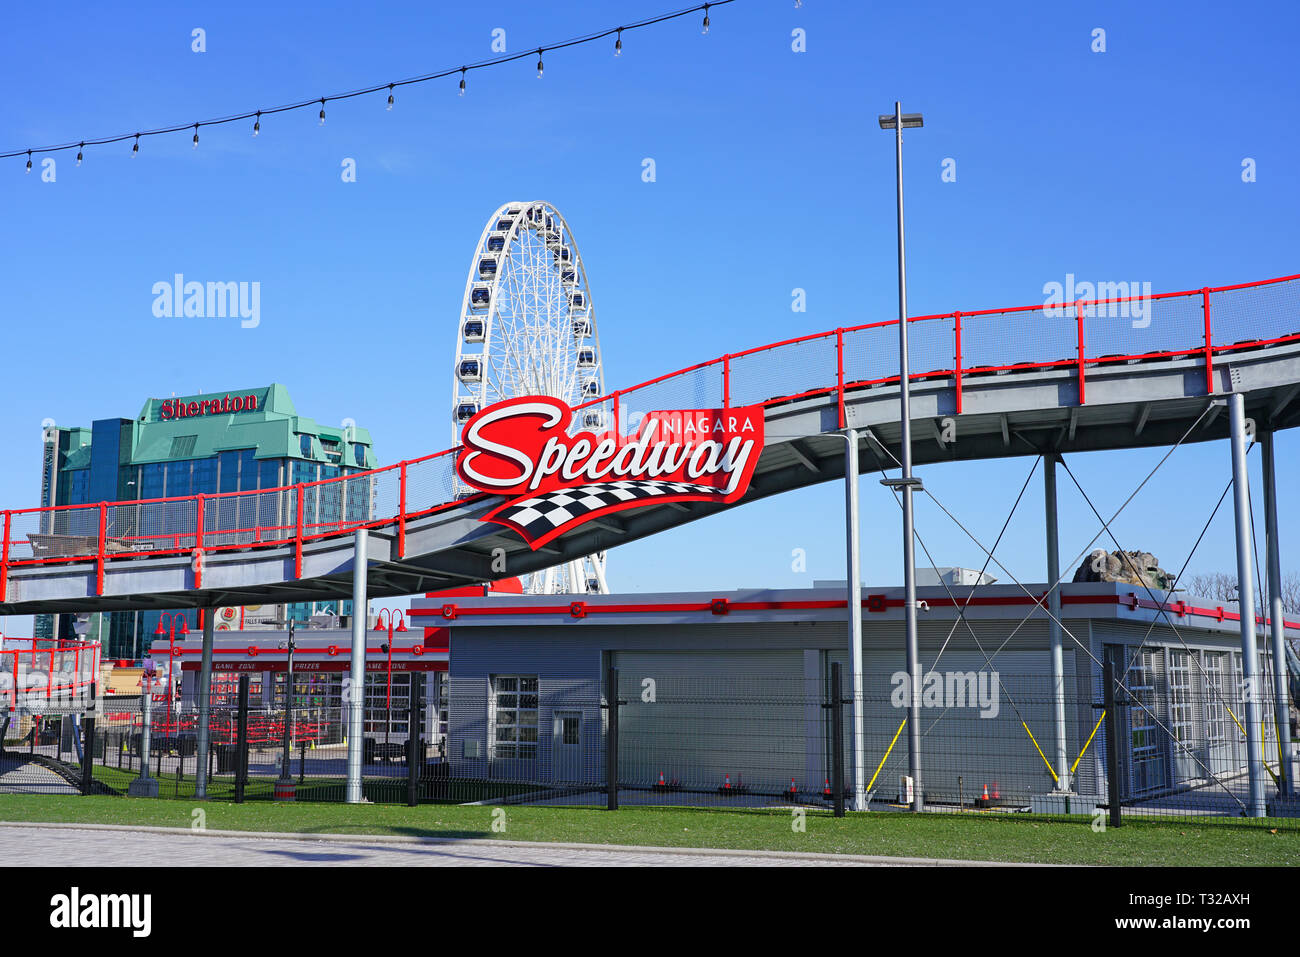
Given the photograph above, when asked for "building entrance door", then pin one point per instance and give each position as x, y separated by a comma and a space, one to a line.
566, 747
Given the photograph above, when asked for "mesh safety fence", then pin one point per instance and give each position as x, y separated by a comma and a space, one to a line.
996, 743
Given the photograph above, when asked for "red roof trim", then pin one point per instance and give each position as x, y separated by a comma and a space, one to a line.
1131, 601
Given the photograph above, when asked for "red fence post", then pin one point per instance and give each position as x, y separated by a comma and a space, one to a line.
4, 559
956, 317
401, 514
839, 373
1209, 343
726, 381
297, 534
1078, 312
618, 417
197, 559
99, 564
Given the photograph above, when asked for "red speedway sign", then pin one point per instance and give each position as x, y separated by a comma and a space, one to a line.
555, 481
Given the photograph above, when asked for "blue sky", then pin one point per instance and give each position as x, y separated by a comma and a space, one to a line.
771, 174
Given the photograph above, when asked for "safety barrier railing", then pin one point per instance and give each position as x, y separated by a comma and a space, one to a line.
958, 346
37, 673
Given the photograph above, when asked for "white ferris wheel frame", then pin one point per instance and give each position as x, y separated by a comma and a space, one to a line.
532, 349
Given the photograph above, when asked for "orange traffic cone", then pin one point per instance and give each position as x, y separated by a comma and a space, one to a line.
826, 790
793, 791
662, 783
726, 782
996, 796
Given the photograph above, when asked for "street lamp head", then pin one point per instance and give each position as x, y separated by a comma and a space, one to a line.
185, 626
910, 121
160, 631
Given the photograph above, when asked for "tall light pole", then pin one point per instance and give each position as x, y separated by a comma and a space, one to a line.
170, 634
387, 649
898, 121
285, 789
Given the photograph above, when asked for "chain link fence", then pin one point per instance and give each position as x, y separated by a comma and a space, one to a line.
989, 746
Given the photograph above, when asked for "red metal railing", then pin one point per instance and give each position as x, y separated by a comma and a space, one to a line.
224, 730
956, 346
68, 669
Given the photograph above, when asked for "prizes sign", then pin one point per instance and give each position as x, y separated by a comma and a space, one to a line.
554, 481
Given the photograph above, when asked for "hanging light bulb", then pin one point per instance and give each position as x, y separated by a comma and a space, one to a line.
257, 123
390, 96
462, 82
196, 136
618, 43
539, 64
135, 149
29, 161
80, 146
322, 111
706, 19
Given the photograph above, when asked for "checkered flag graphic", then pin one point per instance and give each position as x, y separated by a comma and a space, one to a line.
542, 514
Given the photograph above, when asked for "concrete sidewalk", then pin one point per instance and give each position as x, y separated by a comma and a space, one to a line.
114, 845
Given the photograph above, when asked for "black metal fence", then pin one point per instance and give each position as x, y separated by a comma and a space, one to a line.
990, 744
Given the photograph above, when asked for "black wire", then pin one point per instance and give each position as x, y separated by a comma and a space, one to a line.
424, 78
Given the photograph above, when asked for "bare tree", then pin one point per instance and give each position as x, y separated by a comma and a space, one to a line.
1222, 586
1217, 585
1291, 593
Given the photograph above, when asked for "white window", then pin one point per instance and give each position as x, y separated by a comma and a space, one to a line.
1145, 737
514, 716
441, 726
1180, 696
1216, 727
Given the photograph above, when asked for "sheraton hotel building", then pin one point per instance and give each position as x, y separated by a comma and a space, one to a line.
234, 441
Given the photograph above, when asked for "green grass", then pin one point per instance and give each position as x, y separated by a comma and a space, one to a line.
391, 789
970, 836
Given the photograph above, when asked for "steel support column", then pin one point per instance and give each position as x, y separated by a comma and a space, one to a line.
1246, 602
1277, 628
354, 695
1054, 622
909, 540
854, 583
204, 693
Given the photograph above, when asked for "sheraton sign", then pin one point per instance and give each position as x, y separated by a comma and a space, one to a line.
554, 481
185, 408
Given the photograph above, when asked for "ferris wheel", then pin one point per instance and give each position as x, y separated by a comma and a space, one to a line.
527, 327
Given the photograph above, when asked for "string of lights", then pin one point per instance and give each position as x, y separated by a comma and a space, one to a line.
257, 115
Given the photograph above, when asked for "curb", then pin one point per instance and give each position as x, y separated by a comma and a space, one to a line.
555, 845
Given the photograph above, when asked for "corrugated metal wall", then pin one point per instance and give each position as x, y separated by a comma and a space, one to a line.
696, 717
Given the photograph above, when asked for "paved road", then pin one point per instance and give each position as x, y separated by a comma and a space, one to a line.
55, 847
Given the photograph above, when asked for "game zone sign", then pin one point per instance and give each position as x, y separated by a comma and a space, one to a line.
554, 481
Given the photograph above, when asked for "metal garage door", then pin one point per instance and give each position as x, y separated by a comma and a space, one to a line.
980, 741
699, 717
